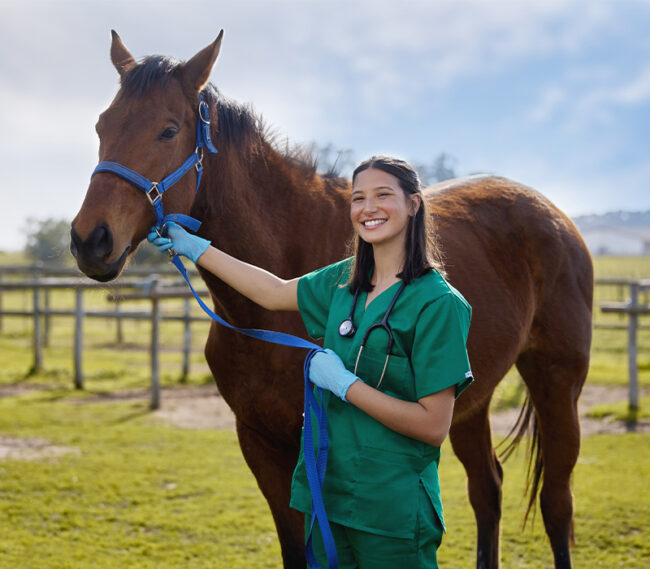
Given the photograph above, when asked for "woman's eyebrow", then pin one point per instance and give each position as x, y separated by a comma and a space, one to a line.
375, 188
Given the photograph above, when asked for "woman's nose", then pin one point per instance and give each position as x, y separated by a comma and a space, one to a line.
369, 205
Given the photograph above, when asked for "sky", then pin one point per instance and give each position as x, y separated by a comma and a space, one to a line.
553, 94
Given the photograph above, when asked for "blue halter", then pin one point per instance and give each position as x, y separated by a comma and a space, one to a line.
154, 190
315, 461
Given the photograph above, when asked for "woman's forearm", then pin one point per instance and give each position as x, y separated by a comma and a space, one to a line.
259, 285
427, 420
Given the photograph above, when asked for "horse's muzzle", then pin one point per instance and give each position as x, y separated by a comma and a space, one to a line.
91, 253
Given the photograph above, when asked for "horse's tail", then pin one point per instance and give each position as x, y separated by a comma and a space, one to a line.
526, 424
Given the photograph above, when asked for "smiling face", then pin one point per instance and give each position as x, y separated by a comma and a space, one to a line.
380, 210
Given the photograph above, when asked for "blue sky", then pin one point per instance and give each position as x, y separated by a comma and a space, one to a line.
554, 94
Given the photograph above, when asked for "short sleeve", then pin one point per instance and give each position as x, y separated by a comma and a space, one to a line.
439, 355
315, 293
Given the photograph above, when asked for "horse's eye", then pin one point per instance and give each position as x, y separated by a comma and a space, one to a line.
168, 134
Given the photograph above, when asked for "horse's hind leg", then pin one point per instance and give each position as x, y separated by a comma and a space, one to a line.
472, 443
554, 375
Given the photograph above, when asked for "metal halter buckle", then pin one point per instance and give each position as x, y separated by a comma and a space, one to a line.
203, 106
199, 152
151, 196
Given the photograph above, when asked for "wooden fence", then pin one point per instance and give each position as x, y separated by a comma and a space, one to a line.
45, 279
152, 288
633, 308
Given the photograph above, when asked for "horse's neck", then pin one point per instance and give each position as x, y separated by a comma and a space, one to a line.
273, 213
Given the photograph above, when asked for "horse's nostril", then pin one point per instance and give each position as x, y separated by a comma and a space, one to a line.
75, 242
100, 241
97, 245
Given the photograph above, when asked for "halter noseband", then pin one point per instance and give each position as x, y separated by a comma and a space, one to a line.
154, 190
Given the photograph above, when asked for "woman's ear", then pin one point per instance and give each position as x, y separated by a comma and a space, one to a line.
416, 202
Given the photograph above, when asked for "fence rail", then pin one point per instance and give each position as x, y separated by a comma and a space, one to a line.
155, 290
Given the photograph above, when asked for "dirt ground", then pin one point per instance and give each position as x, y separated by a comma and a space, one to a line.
201, 407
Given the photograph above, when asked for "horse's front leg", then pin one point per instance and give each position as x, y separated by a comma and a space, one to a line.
272, 464
472, 443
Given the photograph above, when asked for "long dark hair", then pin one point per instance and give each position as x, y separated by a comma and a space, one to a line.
421, 250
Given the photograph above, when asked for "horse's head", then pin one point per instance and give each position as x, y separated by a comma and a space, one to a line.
150, 127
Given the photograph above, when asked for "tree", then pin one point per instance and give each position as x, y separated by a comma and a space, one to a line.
331, 161
442, 168
48, 240
148, 255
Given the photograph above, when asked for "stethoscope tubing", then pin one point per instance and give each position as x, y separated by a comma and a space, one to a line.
382, 324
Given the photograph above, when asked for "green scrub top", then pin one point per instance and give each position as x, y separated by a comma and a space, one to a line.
373, 473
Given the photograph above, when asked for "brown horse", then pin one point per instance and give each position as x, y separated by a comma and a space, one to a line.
518, 260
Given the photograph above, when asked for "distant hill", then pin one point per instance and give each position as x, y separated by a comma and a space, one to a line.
614, 219
616, 232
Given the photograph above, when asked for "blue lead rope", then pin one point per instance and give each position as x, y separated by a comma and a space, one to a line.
315, 462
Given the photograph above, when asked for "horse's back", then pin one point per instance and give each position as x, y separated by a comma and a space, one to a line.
512, 227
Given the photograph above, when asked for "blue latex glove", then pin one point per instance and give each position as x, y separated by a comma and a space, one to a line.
328, 371
176, 238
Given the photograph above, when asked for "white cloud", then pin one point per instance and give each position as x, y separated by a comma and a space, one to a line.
317, 70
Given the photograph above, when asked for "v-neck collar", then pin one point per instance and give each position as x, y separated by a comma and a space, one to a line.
366, 305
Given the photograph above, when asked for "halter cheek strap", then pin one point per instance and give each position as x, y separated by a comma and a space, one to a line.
154, 190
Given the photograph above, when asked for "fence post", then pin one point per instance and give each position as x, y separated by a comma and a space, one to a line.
38, 355
155, 348
632, 346
46, 318
118, 319
1, 319
78, 339
187, 341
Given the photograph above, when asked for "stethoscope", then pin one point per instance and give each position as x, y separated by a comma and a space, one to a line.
348, 329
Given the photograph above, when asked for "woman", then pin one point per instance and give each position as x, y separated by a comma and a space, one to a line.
390, 391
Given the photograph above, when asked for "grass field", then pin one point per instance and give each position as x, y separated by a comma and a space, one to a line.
137, 493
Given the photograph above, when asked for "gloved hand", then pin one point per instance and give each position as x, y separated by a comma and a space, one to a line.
184, 243
328, 371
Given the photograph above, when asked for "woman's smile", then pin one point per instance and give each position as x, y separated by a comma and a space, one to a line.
372, 223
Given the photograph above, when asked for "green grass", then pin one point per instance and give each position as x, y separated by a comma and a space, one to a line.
141, 494
621, 411
611, 518
138, 494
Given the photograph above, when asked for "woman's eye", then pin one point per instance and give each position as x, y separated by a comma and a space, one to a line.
168, 134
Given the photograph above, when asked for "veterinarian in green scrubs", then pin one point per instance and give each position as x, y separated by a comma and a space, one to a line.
395, 333
382, 487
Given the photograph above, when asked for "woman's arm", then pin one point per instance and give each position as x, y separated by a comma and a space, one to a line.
261, 286
427, 420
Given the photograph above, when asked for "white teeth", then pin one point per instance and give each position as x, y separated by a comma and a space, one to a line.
373, 222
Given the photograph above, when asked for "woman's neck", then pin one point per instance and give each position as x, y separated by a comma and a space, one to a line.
389, 260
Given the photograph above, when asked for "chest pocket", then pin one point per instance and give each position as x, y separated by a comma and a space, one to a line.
398, 378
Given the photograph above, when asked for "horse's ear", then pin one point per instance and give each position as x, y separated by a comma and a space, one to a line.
120, 56
196, 71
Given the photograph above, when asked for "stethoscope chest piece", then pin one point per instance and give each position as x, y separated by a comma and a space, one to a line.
347, 328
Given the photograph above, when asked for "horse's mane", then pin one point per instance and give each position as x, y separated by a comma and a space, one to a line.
238, 124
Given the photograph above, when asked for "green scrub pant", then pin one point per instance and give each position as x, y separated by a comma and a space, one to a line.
358, 549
